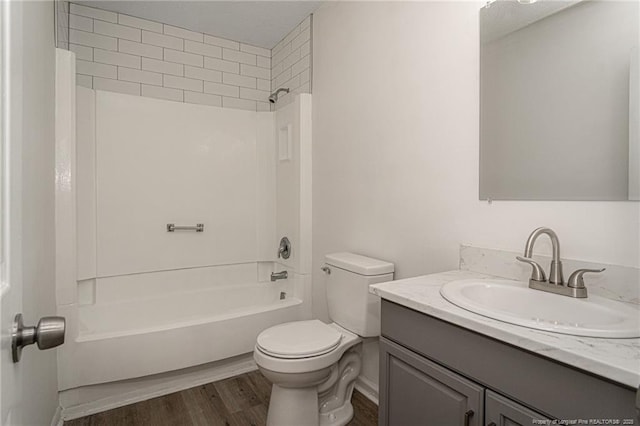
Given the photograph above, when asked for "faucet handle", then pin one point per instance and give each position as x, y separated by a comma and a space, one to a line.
537, 274
576, 280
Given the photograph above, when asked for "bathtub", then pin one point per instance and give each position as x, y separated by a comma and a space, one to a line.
170, 320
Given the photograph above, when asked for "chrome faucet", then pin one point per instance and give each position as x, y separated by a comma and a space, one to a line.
283, 275
555, 284
284, 250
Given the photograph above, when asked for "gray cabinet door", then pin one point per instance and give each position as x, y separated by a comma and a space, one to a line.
416, 391
501, 411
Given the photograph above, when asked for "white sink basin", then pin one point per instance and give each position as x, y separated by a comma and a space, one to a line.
514, 302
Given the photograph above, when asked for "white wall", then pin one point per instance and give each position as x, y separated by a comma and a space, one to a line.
395, 157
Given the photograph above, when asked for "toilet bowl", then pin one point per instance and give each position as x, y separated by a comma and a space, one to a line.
313, 366
311, 374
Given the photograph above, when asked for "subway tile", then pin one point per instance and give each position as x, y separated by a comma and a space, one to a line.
293, 57
221, 89
82, 52
202, 98
306, 23
93, 40
252, 71
116, 58
183, 58
78, 22
96, 69
221, 65
282, 78
282, 44
301, 65
263, 84
263, 106
278, 57
277, 70
222, 42
182, 83
139, 76
162, 93
292, 83
143, 24
182, 33
253, 94
248, 48
305, 76
91, 12
115, 30
237, 56
162, 67
301, 38
140, 49
84, 81
238, 103
278, 47
304, 88
162, 40
116, 86
263, 62
202, 74
239, 80
305, 49
203, 49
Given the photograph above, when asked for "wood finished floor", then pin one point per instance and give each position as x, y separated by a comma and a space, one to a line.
238, 401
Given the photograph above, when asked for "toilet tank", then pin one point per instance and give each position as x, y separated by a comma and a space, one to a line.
348, 278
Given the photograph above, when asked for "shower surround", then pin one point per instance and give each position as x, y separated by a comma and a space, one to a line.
121, 53
140, 300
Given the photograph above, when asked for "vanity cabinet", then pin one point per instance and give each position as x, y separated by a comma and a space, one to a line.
421, 392
436, 373
501, 411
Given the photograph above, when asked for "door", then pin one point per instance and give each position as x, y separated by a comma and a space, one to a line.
28, 392
416, 391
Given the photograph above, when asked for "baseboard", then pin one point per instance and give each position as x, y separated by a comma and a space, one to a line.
117, 394
57, 417
367, 388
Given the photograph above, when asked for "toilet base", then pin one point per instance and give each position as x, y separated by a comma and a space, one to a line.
338, 417
293, 407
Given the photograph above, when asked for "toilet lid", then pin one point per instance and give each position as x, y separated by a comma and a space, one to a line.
299, 339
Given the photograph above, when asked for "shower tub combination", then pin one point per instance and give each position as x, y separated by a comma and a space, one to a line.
139, 299
217, 314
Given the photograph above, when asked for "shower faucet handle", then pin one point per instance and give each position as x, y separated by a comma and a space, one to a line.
284, 251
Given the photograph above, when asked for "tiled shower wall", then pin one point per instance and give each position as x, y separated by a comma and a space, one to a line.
291, 62
121, 53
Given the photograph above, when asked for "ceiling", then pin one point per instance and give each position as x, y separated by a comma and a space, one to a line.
260, 23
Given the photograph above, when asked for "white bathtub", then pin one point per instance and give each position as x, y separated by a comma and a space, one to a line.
192, 317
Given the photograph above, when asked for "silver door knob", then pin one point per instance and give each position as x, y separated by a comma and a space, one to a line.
48, 334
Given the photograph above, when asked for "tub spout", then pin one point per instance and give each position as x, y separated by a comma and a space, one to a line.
279, 275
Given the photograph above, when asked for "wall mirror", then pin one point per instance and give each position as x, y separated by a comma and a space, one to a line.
559, 100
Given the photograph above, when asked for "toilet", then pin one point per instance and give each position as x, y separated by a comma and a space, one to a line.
313, 366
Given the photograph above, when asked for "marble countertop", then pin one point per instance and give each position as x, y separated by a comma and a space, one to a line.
614, 359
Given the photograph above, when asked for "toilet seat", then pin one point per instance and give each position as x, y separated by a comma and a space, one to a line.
309, 363
299, 339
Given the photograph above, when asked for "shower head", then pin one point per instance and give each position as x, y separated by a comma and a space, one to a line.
273, 98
